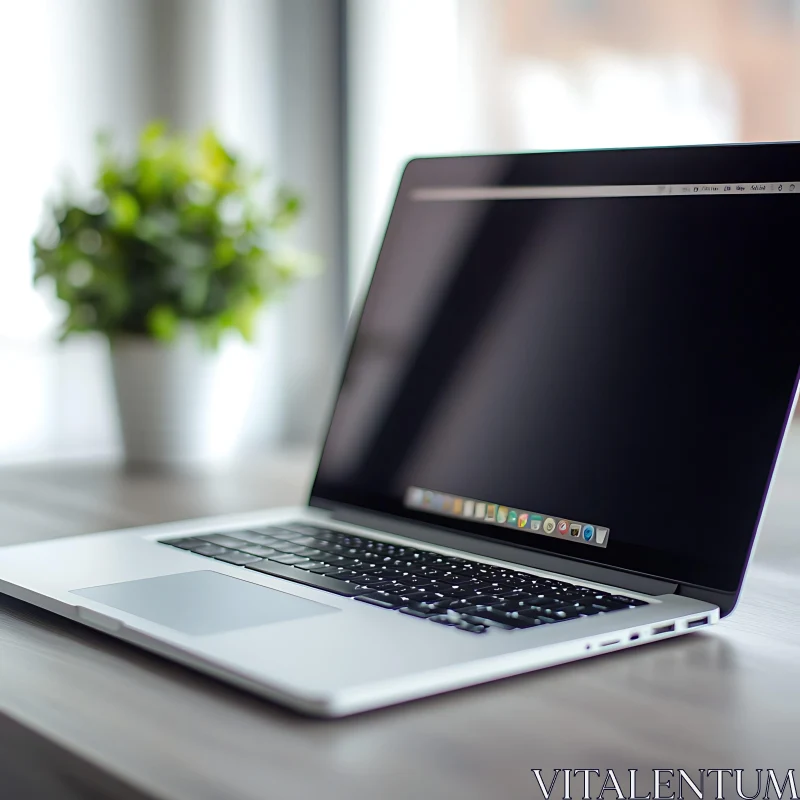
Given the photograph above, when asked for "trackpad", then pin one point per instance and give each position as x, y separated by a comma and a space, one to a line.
203, 603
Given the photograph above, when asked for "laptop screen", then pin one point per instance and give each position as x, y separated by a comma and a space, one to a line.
598, 370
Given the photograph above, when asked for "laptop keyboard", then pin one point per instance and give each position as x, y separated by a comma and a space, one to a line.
463, 594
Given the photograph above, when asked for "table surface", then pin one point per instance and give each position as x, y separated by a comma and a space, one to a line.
101, 718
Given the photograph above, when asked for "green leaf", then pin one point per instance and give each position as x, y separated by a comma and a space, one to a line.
215, 161
153, 135
224, 252
288, 208
194, 292
162, 323
124, 211
244, 318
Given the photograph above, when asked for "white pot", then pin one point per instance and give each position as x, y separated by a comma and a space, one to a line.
179, 403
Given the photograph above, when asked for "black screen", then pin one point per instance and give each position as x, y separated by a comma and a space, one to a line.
628, 361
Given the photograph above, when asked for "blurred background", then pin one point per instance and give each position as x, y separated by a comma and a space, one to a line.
334, 96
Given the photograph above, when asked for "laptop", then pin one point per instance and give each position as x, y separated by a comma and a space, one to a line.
554, 438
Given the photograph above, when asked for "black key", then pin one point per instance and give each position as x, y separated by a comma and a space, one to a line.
422, 613
209, 550
327, 547
235, 557
533, 610
289, 536
573, 599
254, 538
471, 628
443, 619
290, 548
452, 591
512, 604
305, 577
520, 577
306, 541
185, 544
518, 600
456, 604
388, 572
326, 569
374, 600
427, 574
597, 597
412, 581
397, 600
244, 536
386, 586
506, 593
321, 534
365, 565
432, 588
222, 540
472, 619
433, 558
347, 575
551, 602
628, 601
500, 617
483, 599
257, 550
308, 565
365, 579
572, 612
613, 605
339, 561
491, 588
423, 605
307, 552
315, 553
288, 558
541, 621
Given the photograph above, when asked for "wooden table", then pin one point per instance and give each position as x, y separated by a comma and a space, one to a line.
82, 715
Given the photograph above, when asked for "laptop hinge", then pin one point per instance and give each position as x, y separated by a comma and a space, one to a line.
491, 549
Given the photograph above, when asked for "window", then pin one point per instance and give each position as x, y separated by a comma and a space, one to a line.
460, 76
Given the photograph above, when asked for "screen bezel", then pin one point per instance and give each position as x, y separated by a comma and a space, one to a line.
711, 164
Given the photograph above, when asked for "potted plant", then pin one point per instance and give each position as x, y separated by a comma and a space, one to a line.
171, 258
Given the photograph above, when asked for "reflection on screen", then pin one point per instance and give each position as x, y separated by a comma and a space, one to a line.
625, 360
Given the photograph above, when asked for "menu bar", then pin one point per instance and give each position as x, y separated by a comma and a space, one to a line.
445, 193
448, 505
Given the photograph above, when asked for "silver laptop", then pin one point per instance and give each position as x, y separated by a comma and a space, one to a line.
554, 438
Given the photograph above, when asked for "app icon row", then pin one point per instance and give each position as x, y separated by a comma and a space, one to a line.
496, 514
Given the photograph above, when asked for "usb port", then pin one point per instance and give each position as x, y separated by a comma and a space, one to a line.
659, 629
696, 623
